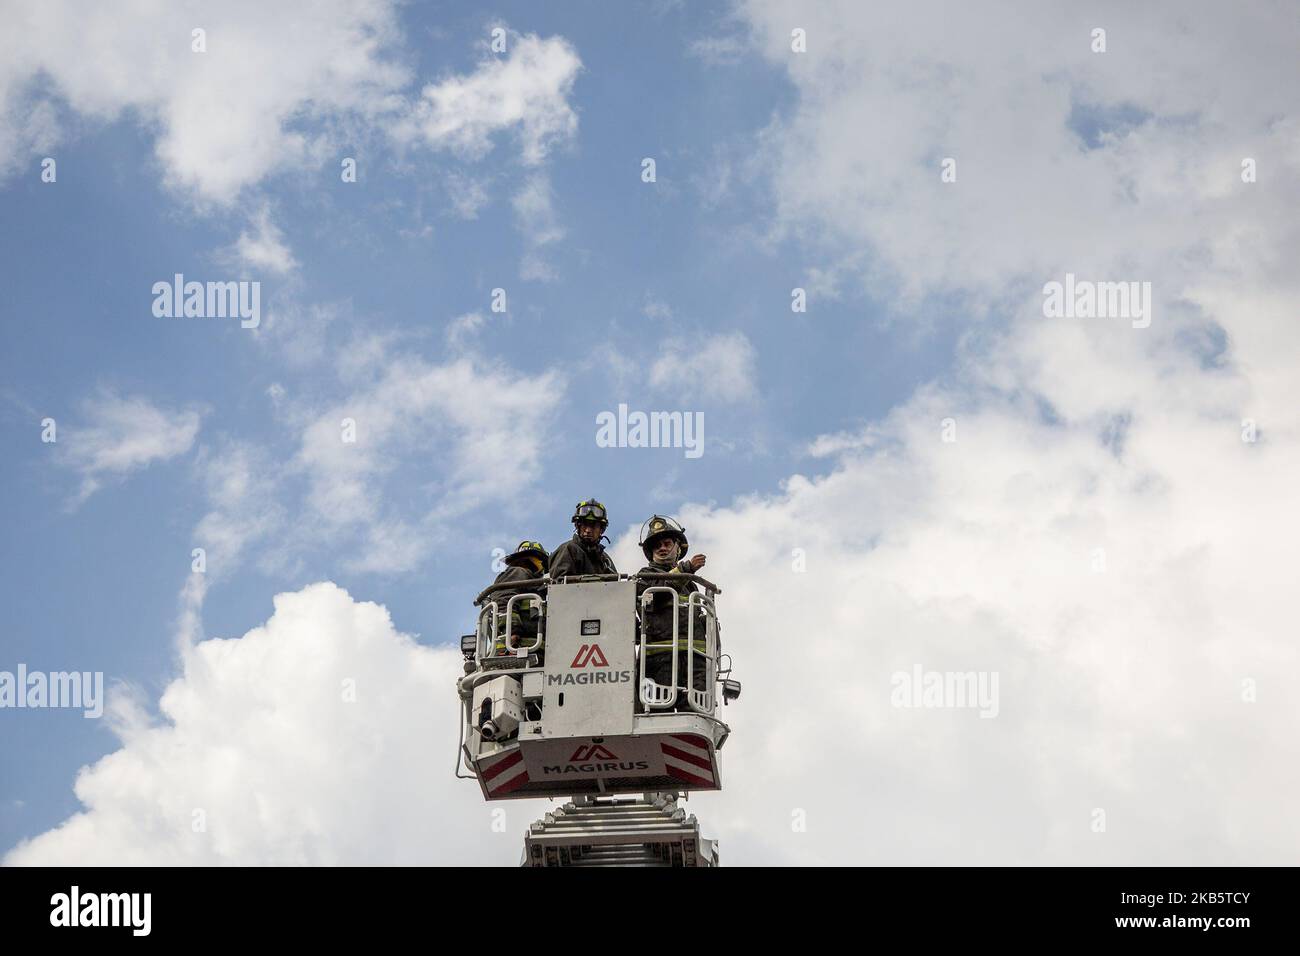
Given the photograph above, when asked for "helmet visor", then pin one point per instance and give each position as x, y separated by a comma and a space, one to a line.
657, 525
590, 512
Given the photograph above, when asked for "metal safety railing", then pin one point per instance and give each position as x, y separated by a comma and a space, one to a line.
546, 579
510, 585
492, 621
657, 696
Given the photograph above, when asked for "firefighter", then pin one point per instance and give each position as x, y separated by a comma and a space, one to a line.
528, 561
583, 553
664, 543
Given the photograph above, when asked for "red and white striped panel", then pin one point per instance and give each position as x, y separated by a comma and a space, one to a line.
687, 758
503, 772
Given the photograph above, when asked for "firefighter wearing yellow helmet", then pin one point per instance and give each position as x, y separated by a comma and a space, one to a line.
528, 562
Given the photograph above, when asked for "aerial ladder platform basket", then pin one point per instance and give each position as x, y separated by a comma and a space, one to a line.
573, 713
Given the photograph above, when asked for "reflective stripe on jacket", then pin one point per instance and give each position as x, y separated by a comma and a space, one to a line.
523, 616
656, 620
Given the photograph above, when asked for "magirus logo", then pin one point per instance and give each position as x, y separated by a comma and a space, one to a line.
581, 762
589, 655
591, 752
592, 677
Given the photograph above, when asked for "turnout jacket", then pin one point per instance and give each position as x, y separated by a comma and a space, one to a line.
524, 617
656, 620
572, 558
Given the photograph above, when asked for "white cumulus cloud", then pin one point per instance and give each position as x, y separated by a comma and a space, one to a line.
226, 118
1134, 607
1102, 532
324, 736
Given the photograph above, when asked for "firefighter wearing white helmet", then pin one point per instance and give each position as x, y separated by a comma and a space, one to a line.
664, 543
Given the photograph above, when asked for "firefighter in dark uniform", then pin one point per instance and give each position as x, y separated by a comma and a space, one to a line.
583, 553
528, 562
664, 543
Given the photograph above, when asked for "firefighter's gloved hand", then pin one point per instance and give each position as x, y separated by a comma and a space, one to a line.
697, 562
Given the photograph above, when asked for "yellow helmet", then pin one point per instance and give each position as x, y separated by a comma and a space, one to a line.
527, 549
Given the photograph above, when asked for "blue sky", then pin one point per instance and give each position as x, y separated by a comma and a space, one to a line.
774, 171
81, 255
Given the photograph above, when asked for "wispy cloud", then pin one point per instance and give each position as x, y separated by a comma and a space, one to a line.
535, 215
463, 328
262, 247
719, 50
720, 366
241, 487
527, 89
488, 422
118, 435
467, 194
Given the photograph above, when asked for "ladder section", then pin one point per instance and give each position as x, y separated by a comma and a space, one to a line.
603, 831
